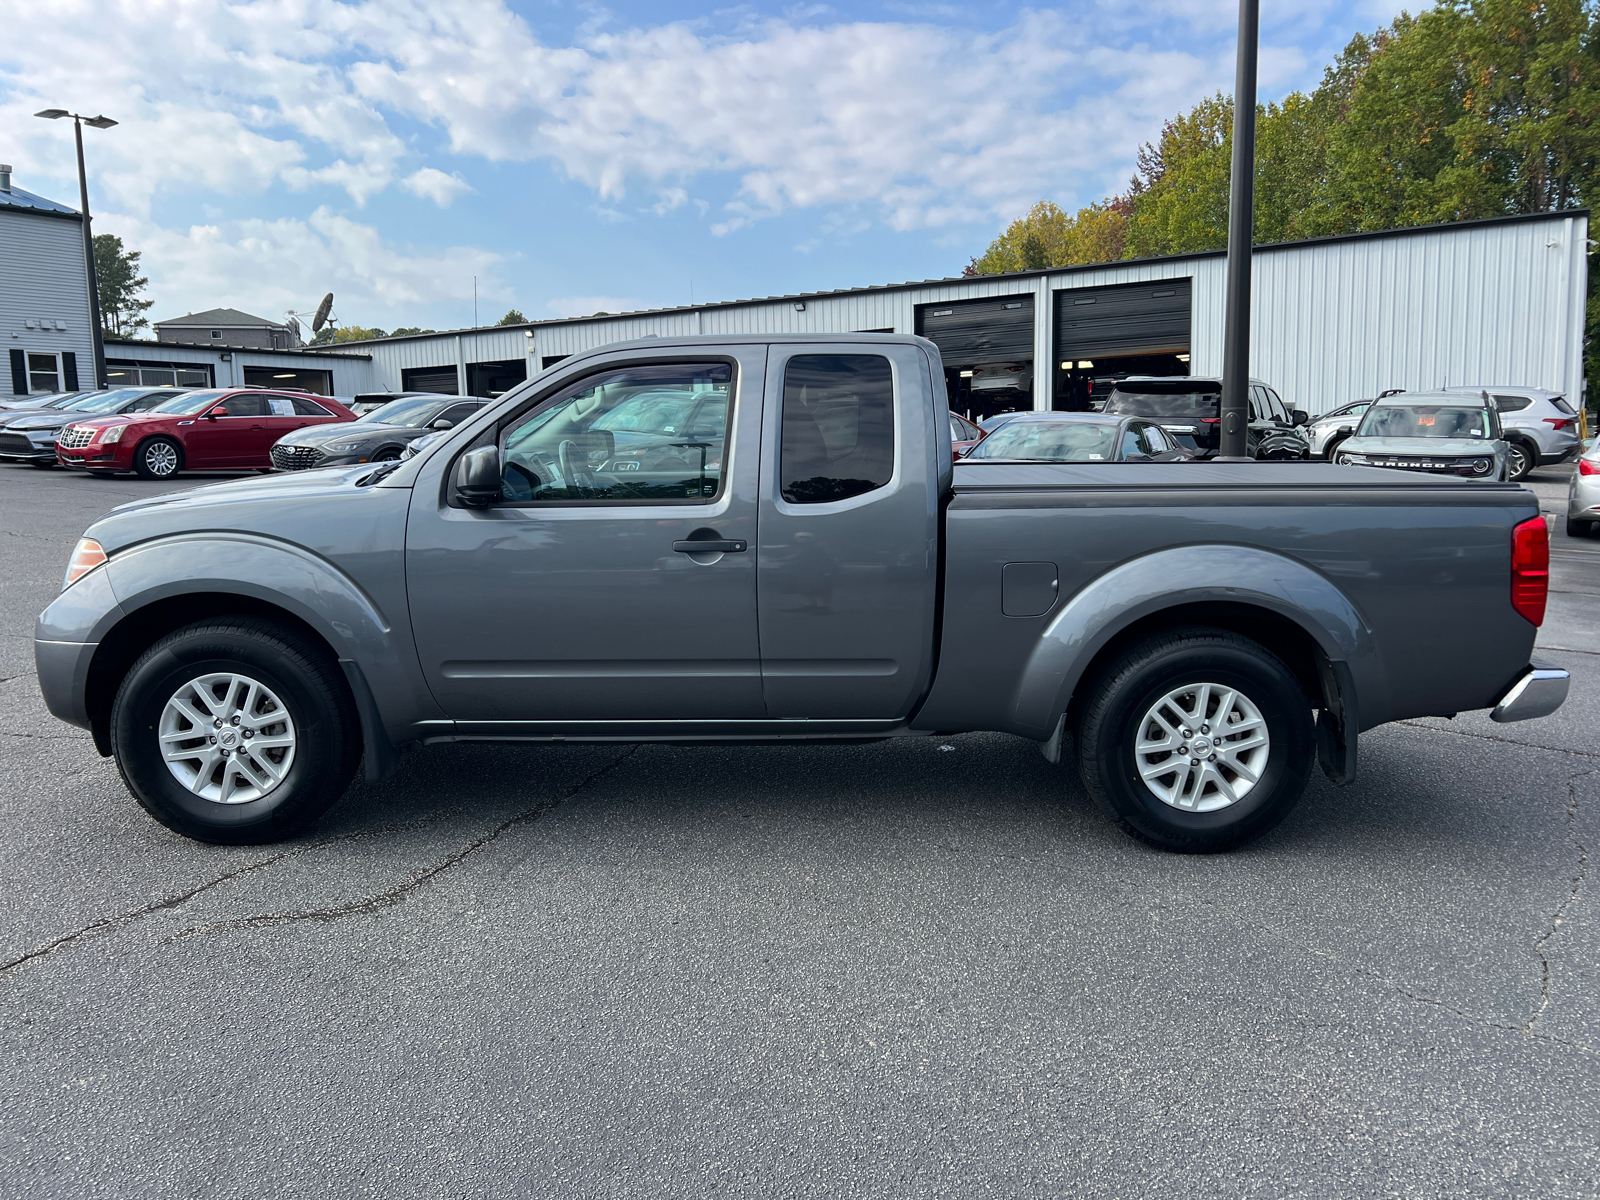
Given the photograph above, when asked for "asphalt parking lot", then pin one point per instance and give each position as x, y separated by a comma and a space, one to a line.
914, 968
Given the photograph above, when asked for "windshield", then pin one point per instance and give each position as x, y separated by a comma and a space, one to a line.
403, 412
1057, 441
106, 401
1195, 401
188, 403
1425, 420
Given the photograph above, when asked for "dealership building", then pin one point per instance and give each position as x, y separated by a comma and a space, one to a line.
1498, 301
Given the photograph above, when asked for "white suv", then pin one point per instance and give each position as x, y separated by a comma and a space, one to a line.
1540, 427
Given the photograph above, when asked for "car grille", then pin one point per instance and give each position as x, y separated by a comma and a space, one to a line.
295, 458
1438, 466
16, 443
74, 437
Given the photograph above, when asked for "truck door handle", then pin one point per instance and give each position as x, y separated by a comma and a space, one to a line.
711, 546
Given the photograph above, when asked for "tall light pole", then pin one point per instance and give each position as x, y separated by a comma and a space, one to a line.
78, 122
1241, 237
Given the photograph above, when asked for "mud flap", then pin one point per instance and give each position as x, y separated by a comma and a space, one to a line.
379, 758
1338, 728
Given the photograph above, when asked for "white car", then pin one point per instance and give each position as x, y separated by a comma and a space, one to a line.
1540, 426
1322, 429
1583, 494
1004, 376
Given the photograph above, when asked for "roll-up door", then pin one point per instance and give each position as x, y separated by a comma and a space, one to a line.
997, 329
430, 379
1133, 318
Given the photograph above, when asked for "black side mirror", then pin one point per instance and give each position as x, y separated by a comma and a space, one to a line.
441, 423
478, 477
1299, 417
1344, 431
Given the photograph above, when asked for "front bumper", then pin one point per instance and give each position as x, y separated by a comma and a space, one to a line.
1539, 692
63, 670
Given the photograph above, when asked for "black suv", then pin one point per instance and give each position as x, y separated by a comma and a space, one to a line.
1189, 408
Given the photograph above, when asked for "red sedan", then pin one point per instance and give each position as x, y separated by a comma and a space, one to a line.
229, 430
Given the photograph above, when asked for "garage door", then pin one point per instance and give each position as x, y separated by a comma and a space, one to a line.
430, 379
1134, 318
999, 329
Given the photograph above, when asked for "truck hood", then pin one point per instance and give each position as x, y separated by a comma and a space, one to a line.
248, 505
1423, 447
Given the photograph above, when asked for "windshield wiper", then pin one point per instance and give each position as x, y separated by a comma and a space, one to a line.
381, 471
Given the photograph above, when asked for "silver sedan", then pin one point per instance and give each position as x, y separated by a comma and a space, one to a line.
1583, 494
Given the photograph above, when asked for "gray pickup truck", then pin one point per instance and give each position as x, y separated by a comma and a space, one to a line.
764, 538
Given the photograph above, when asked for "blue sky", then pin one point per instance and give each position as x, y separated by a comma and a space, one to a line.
577, 157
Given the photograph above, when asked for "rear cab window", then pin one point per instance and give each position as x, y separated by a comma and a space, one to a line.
837, 435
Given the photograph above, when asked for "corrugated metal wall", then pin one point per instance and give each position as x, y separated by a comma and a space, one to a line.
1334, 321
45, 281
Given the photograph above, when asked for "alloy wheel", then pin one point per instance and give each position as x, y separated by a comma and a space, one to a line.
227, 738
1202, 747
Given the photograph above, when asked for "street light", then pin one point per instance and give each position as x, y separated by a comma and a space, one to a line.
1241, 238
78, 122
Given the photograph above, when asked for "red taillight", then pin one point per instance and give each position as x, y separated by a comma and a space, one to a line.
1588, 467
1560, 422
1211, 420
1530, 568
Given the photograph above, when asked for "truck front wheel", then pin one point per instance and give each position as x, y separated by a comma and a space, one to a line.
233, 731
1196, 741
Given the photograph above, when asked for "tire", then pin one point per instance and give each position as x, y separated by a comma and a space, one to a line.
388, 454
1333, 448
158, 458
1579, 529
214, 799
1195, 820
1521, 463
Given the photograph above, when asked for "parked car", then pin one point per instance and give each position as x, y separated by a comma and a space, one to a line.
242, 648
29, 403
1541, 428
1436, 432
997, 379
1583, 494
1080, 437
991, 423
1190, 408
51, 403
964, 435
378, 435
31, 436
228, 430
422, 443
1320, 431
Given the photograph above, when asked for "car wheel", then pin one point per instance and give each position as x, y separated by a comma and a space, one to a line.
1196, 741
1333, 448
236, 732
1521, 462
158, 458
392, 454
1579, 529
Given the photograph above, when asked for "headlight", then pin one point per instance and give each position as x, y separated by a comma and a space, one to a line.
112, 434
341, 447
1482, 466
1352, 460
86, 556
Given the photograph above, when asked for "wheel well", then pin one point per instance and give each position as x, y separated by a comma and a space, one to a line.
177, 445
143, 627
1289, 641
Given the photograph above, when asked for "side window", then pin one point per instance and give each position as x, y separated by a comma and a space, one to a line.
147, 402
1280, 414
457, 413
1154, 440
306, 408
1132, 444
837, 436
651, 433
1512, 403
1256, 406
242, 406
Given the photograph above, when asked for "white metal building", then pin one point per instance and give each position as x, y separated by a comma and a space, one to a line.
1335, 319
132, 362
44, 294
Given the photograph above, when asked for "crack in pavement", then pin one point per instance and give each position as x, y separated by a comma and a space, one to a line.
1561, 910
394, 895
1489, 737
177, 899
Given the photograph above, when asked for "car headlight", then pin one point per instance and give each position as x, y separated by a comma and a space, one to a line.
1482, 466
1352, 460
86, 556
112, 434
341, 447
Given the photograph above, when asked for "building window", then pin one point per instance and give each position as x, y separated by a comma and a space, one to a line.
216, 333
44, 373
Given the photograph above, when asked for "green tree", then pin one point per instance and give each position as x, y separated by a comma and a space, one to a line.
512, 317
118, 282
346, 333
407, 330
1047, 237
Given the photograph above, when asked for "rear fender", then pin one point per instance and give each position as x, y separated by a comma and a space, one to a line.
1169, 579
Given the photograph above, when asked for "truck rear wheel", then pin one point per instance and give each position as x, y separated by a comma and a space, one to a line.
232, 731
1196, 741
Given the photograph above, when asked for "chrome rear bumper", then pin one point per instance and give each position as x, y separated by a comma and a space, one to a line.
1541, 690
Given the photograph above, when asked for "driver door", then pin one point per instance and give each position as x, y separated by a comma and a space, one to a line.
577, 603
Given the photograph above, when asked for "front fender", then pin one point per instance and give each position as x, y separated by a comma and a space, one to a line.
1172, 578
277, 573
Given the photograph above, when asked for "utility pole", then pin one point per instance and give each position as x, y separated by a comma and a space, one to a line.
98, 122
1241, 237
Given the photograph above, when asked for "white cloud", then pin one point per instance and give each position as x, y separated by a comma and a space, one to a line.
436, 186
269, 267
587, 306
